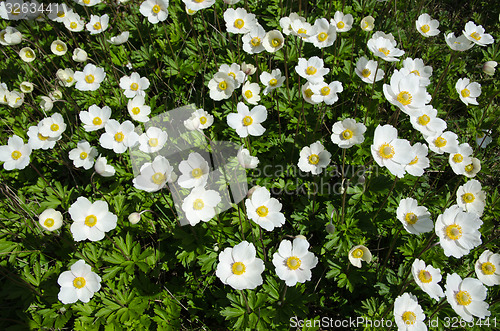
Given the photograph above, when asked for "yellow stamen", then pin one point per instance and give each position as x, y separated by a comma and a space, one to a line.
424, 276
322, 36
198, 204
97, 121
247, 120
463, 298
197, 173
440, 142
156, 9
404, 98
366, 72
347, 134
357, 253
153, 142
311, 70
293, 262
89, 79
409, 317
90, 220
239, 23
119, 137
454, 231
325, 91
262, 211
468, 198
79, 282
134, 86
16, 155
488, 268
49, 222
83, 155
158, 178
238, 268
425, 28
386, 151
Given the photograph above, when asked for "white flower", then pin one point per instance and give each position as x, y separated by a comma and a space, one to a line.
264, 210
460, 159
427, 277
489, 67
425, 121
10, 36
154, 175
27, 54
250, 92
14, 99
325, 33
483, 139
487, 268
52, 126
59, 14
138, 110
460, 43
58, 47
359, 253
73, 22
426, 26
102, 168
467, 91
122, 38
95, 118
194, 171
406, 93
342, 23
221, 86
200, 119
239, 20
50, 219
348, 133
97, 24
90, 220
152, 140
366, 69
384, 47
56, 95
471, 197
416, 219
248, 122
389, 151
472, 168
90, 78
46, 104
417, 67
273, 41
408, 314
196, 5
300, 27
458, 231
252, 40
37, 141
134, 85
79, 55
248, 68
443, 142
367, 23
155, 10
475, 33
119, 137
466, 297
420, 161
200, 205
83, 155
286, 23
66, 77
88, 3
246, 160
293, 261
234, 71
26, 87
313, 69
78, 284
314, 158
327, 93
271, 81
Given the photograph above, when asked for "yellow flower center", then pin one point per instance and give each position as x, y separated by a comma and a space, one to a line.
73, 25
366, 72
54, 127
262, 211
59, 48
322, 36
469, 167
247, 120
276, 42
409, 317
465, 93
340, 25
158, 178
414, 161
416, 72
440, 142
384, 50
488, 268
468, 197
134, 86
411, 218
197, 173
454, 231
239, 23
347, 134
475, 36
238, 268
273, 82
308, 93
248, 94
480, 135
135, 110
458, 158
425, 28
153, 142
89, 79
198, 204
49, 222
386, 151
97, 26
83, 155
313, 159
90, 221
42, 138
61, 14
232, 74
311, 70
79, 282
29, 54
357, 253
302, 31
97, 121
86, 2
255, 41
156, 9
404, 98
325, 91
293, 262
119, 137
424, 276
203, 120
424, 120
223, 85
463, 298
16, 155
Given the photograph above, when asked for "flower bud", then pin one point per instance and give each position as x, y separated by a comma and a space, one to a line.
46, 104
134, 218
330, 228
26, 87
301, 237
489, 67
79, 55
248, 69
367, 23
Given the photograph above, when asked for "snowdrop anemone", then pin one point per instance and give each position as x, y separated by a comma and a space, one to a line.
420, 161
88, 3
273, 41
368, 70
383, 46
286, 23
53, 126
348, 133
27, 54
37, 141
443, 142
134, 85
312, 69
248, 122
483, 138
66, 77
200, 119
97, 24
359, 253
118, 137
476, 34
325, 33
59, 13
341, 22
467, 91
250, 92
119, 39
301, 28
73, 22
103, 168
487, 268
426, 121
80, 283
427, 278
248, 68
15, 99
293, 261
246, 160
46, 103
417, 67
50, 219
152, 140
90, 220
460, 44
426, 26
314, 158
239, 267
271, 81
153, 175
58, 47
252, 41
10, 36
466, 297
16, 154
327, 93
264, 210
26, 87
195, 171
233, 71
406, 93
458, 231
90, 78
471, 197
489, 67
155, 10
307, 93
95, 118
138, 110
200, 205
460, 159
367, 23
83, 155
196, 5
239, 20
415, 219
408, 314
221, 86
389, 151
79, 55
472, 168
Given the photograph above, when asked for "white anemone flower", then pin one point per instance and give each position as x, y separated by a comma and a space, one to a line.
15, 99
460, 159
389, 151
487, 268
472, 168
91, 220
50, 219
38, 141
46, 103
234, 71
273, 41
467, 297
16, 154
221, 86
264, 210
102, 167
342, 23
271, 81
79, 55
239, 267
252, 40
406, 93
90, 78
239, 20
95, 118
119, 39
196, 5
97, 24
73, 22
417, 67
59, 14
246, 160
301, 28
408, 314
427, 278
10, 36
248, 122
152, 140
58, 47
420, 160
416, 219
200, 205
366, 69
27, 54
471, 197
134, 85
483, 138
155, 10
460, 43
53, 126
119, 137
138, 110
312, 69
195, 171
348, 133
314, 158
66, 77
467, 91
426, 121
384, 48
251, 93
88, 3
293, 261
426, 26
325, 33
83, 155
489, 67
327, 93
458, 231
359, 253
200, 119
26, 87
154, 175
446, 142
367, 23
286, 23
248, 68
476, 34
80, 283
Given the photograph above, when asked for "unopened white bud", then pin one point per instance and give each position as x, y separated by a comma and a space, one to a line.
134, 218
